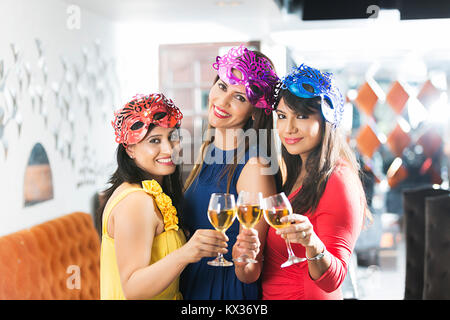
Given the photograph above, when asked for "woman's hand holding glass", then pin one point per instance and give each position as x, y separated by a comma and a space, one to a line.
277, 211
247, 246
205, 243
248, 212
299, 231
221, 214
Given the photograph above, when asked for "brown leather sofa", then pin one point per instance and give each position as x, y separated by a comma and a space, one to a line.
56, 260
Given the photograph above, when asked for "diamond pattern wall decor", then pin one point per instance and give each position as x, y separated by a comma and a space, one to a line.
428, 94
367, 141
366, 99
398, 140
387, 117
430, 141
397, 97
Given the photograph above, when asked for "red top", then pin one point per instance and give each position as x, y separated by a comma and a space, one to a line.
337, 222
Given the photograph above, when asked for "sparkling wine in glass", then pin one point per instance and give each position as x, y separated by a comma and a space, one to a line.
275, 208
248, 213
221, 214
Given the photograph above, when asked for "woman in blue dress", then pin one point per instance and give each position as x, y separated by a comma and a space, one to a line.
236, 155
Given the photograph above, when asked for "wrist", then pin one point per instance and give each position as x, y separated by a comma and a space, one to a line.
183, 255
318, 256
247, 272
241, 266
315, 248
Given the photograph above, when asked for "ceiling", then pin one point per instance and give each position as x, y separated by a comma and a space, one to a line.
181, 10
341, 44
306, 10
310, 10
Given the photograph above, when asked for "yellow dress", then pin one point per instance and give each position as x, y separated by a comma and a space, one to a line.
171, 239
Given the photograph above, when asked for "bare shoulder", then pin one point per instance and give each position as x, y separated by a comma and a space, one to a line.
256, 176
137, 209
137, 202
258, 161
255, 168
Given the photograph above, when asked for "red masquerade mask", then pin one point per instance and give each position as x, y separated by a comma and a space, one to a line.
132, 121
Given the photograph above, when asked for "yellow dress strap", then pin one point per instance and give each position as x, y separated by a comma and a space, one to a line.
113, 203
164, 203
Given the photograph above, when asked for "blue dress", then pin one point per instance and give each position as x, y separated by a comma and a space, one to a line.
199, 281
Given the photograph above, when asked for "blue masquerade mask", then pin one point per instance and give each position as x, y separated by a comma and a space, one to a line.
307, 82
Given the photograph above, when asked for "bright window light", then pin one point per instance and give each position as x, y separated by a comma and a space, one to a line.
440, 110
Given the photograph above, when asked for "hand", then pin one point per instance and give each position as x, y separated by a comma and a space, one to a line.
205, 243
300, 231
247, 244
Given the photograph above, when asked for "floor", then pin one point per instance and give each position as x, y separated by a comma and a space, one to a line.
387, 281
380, 282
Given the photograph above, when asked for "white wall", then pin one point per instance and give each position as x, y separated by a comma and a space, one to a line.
138, 47
134, 48
21, 22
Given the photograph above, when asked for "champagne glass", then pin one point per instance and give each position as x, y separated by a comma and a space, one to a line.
248, 213
274, 208
221, 214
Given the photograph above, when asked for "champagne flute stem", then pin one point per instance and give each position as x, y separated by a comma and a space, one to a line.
289, 249
219, 254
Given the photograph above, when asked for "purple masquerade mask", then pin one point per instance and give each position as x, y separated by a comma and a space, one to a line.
258, 75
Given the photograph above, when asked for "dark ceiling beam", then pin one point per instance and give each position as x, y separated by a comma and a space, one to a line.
309, 10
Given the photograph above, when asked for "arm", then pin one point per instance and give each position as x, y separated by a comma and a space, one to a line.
309, 239
337, 226
251, 242
135, 226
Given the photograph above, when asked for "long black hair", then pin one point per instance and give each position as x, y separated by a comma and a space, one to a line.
128, 171
321, 161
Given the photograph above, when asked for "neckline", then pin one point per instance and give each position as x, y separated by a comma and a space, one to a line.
294, 193
216, 147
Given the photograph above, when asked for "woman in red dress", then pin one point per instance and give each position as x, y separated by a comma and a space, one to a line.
324, 189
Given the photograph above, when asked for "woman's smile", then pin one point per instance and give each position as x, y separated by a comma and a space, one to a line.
220, 113
166, 161
292, 140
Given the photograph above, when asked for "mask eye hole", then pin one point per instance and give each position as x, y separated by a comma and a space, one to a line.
308, 87
328, 102
256, 90
159, 115
137, 125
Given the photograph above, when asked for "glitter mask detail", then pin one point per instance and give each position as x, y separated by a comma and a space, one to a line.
258, 76
307, 82
132, 121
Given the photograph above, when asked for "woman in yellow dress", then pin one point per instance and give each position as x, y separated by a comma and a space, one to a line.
143, 248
